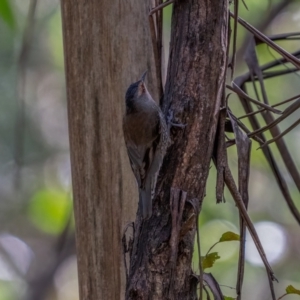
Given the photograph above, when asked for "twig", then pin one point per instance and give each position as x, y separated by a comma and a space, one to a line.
243, 126
233, 59
235, 88
292, 108
243, 145
263, 109
239, 202
216, 243
282, 296
156, 54
264, 22
213, 285
206, 292
281, 135
161, 6
200, 263
292, 59
241, 81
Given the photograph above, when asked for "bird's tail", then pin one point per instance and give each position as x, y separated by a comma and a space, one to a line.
146, 199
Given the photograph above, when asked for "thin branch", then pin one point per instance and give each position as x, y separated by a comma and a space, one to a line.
239, 203
200, 262
269, 156
281, 135
289, 57
242, 94
282, 296
292, 108
156, 52
243, 145
263, 109
264, 22
161, 6
206, 292
290, 36
271, 74
233, 59
288, 161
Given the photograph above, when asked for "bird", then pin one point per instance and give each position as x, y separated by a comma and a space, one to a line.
146, 137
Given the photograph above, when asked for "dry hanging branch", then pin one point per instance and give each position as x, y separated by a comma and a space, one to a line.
244, 163
240, 81
243, 144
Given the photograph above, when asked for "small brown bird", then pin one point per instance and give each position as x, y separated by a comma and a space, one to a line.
146, 137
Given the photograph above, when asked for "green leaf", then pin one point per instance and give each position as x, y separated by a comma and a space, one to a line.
48, 210
209, 260
291, 290
7, 290
228, 298
229, 236
6, 13
56, 40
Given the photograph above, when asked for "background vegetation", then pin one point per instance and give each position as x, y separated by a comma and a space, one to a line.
37, 249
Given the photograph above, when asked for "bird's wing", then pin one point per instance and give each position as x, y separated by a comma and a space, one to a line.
146, 158
135, 161
151, 150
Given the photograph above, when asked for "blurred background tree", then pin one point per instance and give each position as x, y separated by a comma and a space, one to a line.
37, 249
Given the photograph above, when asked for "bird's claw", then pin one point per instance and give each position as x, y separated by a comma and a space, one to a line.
171, 124
177, 125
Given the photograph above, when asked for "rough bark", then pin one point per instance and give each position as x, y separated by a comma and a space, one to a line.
107, 46
160, 266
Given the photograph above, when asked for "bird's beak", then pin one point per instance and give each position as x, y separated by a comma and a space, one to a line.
144, 76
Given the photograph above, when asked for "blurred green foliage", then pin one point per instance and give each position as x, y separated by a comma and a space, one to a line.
49, 210
7, 291
6, 13
55, 41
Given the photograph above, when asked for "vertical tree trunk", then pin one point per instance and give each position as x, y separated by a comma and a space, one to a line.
161, 257
107, 46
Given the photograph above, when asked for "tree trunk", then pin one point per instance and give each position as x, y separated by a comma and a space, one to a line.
107, 46
160, 266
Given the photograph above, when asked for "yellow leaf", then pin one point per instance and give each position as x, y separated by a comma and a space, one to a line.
291, 290
209, 260
229, 236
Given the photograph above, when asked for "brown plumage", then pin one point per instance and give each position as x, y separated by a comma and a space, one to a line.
146, 138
